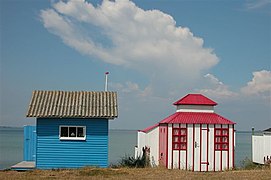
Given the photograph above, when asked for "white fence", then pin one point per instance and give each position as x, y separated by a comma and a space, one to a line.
261, 148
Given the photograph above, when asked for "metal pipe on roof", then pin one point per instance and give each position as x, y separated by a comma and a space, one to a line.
106, 79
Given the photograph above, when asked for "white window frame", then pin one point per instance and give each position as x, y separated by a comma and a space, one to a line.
72, 138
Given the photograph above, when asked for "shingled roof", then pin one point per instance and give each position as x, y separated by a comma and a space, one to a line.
73, 104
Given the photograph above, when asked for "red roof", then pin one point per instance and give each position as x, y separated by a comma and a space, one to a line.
195, 99
191, 118
149, 128
196, 118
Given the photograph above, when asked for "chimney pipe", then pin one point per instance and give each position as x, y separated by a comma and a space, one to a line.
106, 83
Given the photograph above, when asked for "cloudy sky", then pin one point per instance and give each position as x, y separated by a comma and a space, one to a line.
156, 52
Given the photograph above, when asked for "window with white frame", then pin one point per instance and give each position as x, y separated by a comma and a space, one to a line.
72, 132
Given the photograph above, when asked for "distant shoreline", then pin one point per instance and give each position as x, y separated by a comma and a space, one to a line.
13, 127
241, 131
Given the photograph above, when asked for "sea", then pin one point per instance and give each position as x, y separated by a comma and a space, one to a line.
121, 144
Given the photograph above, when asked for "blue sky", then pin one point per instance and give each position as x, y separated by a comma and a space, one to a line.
156, 52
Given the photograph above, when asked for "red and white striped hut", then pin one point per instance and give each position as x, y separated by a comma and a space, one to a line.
193, 138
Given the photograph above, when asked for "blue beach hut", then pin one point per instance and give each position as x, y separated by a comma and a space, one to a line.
72, 127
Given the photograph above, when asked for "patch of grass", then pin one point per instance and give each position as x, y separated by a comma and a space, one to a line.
133, 173
88, 171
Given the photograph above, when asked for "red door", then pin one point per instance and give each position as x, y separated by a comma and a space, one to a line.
163, 144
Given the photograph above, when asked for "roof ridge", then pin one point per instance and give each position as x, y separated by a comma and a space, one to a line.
72, 91
195, 99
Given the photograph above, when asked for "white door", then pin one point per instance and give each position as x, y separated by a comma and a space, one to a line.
201, 144
204, 161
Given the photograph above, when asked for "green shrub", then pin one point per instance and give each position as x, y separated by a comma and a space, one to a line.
131, 162
248, 164
139, 162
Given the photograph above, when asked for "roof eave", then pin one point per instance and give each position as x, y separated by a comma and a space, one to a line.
72, 117
176, 104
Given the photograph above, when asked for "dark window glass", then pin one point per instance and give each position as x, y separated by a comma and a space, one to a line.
72, 131
80, 132
64, 132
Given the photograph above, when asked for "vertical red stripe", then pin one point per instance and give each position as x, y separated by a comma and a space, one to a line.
233, 146
221, 156
200, 141
186, 148
193, 147
207, 146
160, 144
214, 146
172, 147
179, 159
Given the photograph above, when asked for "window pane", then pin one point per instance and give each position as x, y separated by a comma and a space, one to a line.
80, 132
225, 139
225, 146
176, 146
64, 132
183, 146
183, 139
183, 132
225, 132
175, 139
175, 131
72, 131
218, 132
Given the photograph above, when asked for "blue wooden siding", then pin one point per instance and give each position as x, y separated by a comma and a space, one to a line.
55, 153
29, 143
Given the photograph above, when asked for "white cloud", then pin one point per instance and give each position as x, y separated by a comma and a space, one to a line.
259, 85
172, 59
256, 4
216, 89
131, 88
121, 33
